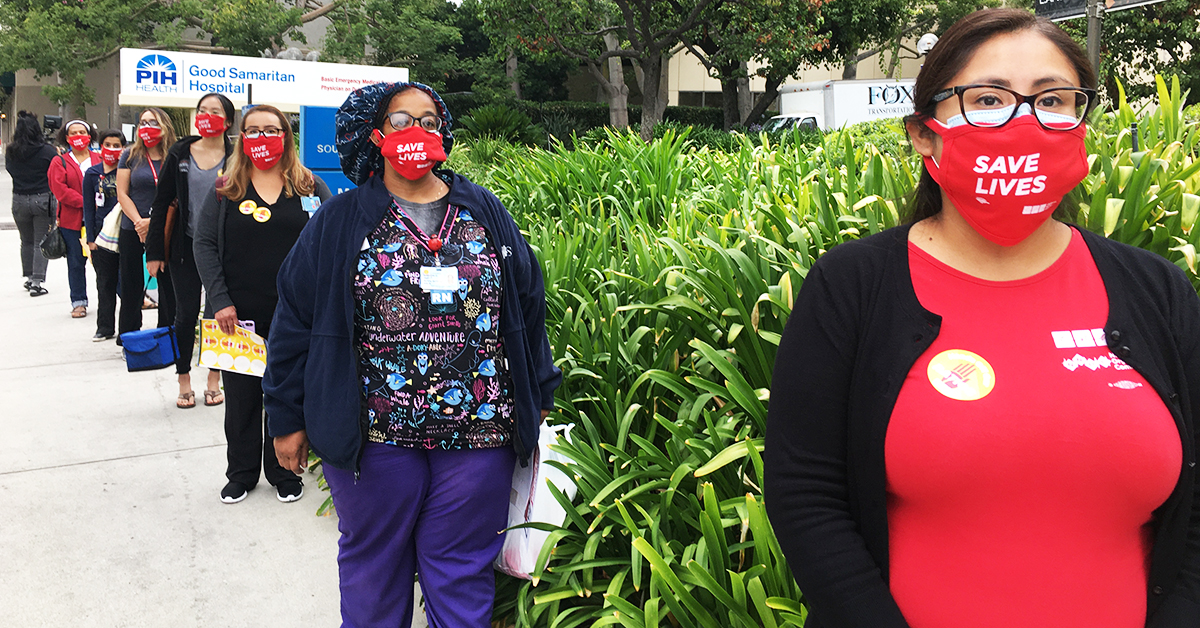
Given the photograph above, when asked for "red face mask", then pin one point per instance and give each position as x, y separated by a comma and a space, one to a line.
110, 155
1006, 181
210, 125
151, 135
79, 142
412, 151
263, 151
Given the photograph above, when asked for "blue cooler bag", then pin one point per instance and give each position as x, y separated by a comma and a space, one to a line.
150, 349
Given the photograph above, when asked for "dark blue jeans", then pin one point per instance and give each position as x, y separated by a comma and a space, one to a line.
76, 267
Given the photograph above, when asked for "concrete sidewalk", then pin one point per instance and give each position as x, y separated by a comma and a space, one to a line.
110, 494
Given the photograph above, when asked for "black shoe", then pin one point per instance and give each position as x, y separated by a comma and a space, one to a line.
290, 490
28, 284
36, 290
234, 492
101, 337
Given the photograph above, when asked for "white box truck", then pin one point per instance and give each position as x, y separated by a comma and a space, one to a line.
830, 105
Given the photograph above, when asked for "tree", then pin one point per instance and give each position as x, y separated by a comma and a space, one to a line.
1136, 44
68, 37
419, 34
603, 33
779, 35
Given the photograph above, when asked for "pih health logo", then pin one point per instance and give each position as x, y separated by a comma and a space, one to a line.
961, 375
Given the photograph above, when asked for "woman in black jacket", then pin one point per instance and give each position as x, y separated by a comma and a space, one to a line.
189, 172
27, 158
986, 417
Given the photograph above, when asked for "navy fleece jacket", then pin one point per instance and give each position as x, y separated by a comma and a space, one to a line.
312, 380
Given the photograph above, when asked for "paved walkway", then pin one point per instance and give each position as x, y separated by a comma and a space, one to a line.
109, 509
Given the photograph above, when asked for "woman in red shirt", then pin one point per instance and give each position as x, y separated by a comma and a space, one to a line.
66, 183
985, 417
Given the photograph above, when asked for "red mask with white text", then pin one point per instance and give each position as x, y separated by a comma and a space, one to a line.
110, 156
263, 151
210, 125
412, 151
151, 135
1006, 181
79, 142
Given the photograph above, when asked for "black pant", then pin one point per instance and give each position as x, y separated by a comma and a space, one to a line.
187, 285
133, 285
246, 433
107, 265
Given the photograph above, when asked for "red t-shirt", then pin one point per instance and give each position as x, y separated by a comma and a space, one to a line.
1024, 460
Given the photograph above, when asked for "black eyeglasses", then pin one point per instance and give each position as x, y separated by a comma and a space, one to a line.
990, 106
400, 120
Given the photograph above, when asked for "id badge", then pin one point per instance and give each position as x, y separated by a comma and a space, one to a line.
310, 203
439, 278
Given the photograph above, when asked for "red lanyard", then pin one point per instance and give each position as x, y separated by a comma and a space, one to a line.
434, 244
153, 170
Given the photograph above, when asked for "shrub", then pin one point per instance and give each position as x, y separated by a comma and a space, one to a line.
501, 122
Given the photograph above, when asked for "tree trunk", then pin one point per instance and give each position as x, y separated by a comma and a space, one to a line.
615, 89
769, 97
653, 102
850, 72
726, 74
745, 98
510, 70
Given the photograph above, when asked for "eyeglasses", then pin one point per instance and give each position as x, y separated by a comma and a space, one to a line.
149, 123
990, 106
400, 120
254, 133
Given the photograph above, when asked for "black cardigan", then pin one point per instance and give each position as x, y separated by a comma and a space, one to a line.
854, 333
169, 189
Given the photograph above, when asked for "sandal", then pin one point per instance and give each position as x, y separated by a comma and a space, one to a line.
213, 397
79, 312
186, 400
147, 304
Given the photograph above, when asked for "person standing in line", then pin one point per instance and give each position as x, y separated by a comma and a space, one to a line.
410, 346
189, 172
986, 417
66, 182
27, 159
246, 227
137, 182
99, 197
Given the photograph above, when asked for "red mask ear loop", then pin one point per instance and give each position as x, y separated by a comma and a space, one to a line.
378, 135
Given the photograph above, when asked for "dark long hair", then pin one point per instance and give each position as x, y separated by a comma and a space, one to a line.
27, 139
952, 53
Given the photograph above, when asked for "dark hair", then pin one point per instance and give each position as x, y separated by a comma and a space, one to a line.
953, 52
112, 133
61, 135
226, 104
27, 138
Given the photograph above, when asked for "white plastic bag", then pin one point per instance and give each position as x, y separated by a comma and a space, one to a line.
530, 501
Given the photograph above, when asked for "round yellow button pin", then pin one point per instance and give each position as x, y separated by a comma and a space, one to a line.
962, 375
262, 214
247, 207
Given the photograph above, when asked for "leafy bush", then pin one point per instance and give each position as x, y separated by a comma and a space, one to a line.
503, 123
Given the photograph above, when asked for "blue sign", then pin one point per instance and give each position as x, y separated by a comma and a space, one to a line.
318, 145
336, 181
157, 73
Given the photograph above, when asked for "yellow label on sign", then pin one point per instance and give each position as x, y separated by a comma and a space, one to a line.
247, 207
962, 375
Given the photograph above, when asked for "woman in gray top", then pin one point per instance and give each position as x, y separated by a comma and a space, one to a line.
189, 173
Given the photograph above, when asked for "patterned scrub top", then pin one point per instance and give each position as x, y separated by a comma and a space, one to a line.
432, 363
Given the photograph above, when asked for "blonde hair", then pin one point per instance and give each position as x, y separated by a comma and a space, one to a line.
296, 178
139, 153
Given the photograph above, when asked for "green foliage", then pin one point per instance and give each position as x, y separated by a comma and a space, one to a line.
887, 135
502, 123
418, 34
247, 27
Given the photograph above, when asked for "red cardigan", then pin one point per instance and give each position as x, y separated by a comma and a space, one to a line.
66, 182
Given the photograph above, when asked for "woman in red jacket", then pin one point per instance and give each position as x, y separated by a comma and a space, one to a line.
66, 182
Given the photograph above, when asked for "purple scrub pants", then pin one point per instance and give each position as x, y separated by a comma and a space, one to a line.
433, 513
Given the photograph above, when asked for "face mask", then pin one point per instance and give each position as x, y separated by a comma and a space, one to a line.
412, 151
79, 142
210, 125
151, 135
1006, 181
263, 151
110, 155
